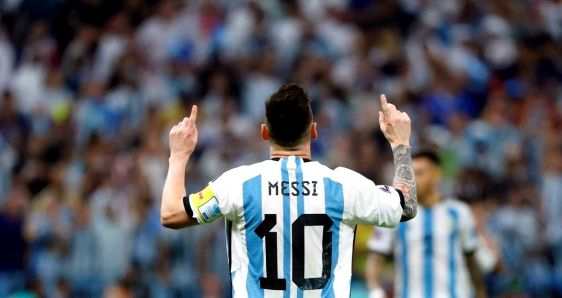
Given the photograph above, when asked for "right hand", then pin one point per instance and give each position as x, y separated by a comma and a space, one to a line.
395, 125
183, 136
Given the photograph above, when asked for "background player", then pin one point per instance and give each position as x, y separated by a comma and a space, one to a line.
434, 253
291, 221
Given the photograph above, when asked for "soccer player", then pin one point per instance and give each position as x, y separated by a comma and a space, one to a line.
435, 252
290, 221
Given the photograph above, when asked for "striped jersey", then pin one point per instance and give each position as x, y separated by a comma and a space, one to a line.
429, 251
291, 225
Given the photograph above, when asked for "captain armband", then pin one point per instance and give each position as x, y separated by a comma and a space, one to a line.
204, 206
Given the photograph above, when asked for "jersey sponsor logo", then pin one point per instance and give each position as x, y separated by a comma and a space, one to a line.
205, 205
294, 188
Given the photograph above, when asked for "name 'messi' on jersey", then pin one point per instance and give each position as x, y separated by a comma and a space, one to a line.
293, 188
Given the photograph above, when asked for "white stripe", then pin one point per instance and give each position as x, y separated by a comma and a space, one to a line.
313, 205
239, 257
343, 267
441, 227
415, 256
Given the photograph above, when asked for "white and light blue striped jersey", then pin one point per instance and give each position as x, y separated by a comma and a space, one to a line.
291, 225
429, 251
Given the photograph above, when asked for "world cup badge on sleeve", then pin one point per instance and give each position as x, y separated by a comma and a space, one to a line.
205, 205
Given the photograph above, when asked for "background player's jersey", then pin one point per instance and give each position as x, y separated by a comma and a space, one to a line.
429, 251
291, 223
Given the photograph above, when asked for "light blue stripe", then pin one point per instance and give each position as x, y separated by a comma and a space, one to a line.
252, 218
300, 203
428, 252
452, 252
232, 277
286, 232
333, 194
404, 266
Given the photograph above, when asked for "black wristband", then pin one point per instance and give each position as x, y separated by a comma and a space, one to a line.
402, 202
187, 206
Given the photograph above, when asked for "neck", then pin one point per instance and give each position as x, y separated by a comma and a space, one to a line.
430, 199
303, 150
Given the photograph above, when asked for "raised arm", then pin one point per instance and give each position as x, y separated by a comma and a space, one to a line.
183, 138
396, 127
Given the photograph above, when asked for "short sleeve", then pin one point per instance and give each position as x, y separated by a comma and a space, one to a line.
381, 241
468, 233
369, 203
217, 199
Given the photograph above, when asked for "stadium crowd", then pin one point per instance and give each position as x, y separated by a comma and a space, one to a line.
90, 88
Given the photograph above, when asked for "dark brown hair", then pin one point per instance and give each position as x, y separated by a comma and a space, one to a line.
428, 154
288, 115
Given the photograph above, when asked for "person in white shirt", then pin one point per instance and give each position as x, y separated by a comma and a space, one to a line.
434, 254
291, 221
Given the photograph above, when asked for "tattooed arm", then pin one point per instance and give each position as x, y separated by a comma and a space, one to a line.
396, 127
404, 180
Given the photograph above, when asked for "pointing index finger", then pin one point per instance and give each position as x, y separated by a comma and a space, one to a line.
193, 115
384, 103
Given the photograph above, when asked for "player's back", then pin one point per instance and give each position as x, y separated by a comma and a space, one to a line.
291, 224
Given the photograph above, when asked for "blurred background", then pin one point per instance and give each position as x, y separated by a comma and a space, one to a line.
90, 88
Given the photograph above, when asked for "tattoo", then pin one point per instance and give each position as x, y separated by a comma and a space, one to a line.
405, 181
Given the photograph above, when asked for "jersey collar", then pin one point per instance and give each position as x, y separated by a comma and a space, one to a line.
279, 158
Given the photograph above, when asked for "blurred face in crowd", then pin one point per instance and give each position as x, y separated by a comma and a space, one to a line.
428, 176
166, 9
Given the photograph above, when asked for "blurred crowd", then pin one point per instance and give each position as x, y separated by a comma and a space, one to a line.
90, 88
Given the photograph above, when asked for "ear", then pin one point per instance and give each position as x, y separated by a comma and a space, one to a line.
313, 131
264, 132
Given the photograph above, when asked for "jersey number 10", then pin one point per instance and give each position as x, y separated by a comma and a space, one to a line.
272, 282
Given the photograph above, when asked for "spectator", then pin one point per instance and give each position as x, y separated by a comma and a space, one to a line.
12, 259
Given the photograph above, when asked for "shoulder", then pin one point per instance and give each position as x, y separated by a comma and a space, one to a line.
353, 183
350, 176
454, 203
242, 173
460, 207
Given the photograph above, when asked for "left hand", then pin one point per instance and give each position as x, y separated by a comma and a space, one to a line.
183, 136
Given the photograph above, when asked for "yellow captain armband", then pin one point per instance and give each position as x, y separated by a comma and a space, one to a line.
205, 205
